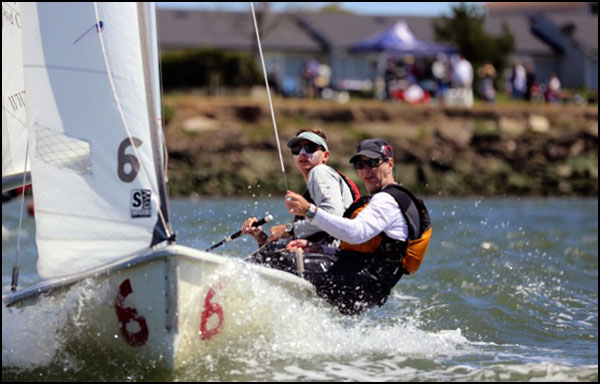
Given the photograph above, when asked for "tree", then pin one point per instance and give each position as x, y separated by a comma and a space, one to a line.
465, 29
334, 7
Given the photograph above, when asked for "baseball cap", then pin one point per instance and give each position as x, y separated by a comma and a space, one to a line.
374, 149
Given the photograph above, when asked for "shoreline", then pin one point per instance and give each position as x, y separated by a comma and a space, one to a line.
224, 146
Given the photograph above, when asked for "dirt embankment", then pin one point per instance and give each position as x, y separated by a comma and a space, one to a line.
226, 147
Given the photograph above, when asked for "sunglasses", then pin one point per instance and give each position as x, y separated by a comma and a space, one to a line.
308, 148
371, 163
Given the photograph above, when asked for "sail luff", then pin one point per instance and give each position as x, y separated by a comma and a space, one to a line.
162, 230
14, 112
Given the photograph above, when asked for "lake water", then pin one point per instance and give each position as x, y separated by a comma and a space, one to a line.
508, 291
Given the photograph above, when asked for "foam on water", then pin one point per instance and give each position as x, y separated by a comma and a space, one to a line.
508, 293
271, 334
264, 324
270, 328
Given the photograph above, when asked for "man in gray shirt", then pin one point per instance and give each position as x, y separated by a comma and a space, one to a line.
326, 187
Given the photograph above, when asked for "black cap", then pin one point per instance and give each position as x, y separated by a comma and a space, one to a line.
374, 149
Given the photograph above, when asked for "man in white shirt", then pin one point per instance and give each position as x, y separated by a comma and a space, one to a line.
463, 73
375, 237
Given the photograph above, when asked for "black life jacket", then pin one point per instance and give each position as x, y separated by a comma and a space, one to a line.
410, 252
321, 236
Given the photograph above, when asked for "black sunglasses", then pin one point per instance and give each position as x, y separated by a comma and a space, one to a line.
308, 148
371, 163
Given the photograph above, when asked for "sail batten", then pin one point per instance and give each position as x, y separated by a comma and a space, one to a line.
96, 191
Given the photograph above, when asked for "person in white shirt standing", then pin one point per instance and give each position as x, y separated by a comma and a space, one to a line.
384, 235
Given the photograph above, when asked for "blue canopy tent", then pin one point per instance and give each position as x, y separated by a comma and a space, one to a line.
398, 39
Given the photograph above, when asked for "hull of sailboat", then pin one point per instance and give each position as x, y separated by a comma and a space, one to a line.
164, 307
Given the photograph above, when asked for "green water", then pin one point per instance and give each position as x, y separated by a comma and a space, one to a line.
508, 291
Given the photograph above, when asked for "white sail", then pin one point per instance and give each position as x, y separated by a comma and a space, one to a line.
14, 119
96, 172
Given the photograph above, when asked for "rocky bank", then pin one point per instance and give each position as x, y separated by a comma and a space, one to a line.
226, 147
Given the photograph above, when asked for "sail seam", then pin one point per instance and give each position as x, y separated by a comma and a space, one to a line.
74, 69
45, 212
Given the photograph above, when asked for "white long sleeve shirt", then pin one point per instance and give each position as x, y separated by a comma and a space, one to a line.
382, 214
330, 193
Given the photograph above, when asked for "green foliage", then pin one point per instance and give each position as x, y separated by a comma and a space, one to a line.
196, 68
465, 29
334, 7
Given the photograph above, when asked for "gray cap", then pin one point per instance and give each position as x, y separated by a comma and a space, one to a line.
374, 149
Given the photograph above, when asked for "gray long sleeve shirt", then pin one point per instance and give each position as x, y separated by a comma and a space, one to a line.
330, 193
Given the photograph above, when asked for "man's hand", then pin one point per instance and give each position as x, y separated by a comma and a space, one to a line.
296, 204
278, 232
294, 244
256, 232
306, 246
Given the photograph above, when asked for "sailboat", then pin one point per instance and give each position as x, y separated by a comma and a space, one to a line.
97, 167
14, 113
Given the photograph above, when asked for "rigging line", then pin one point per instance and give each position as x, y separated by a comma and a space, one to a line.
15, 270
262, 60
125, 125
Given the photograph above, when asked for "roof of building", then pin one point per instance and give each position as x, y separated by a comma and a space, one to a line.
344, 30
318, 32
230, 30
584, 30
534, 6
525, 41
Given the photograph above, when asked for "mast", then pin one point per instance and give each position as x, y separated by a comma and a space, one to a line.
148, 41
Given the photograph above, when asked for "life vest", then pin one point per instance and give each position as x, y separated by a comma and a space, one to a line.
353, 188
321, 236
410, 252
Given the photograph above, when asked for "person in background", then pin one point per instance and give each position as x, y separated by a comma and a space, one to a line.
518, 80
532, 89
553, 91
487, 72
323, 79
462, 75
441, 74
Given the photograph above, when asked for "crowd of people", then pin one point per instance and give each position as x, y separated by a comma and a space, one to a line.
522, 83
451, 80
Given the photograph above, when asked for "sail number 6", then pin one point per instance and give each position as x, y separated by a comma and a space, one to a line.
129, 165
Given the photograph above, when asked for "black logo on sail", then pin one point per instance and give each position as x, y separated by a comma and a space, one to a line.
141, 205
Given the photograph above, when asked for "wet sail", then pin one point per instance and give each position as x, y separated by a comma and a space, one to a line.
96, 145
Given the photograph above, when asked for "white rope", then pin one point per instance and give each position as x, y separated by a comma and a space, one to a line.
262, 60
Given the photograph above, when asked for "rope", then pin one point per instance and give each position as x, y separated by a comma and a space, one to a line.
123, 119
262, 60
15, 270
